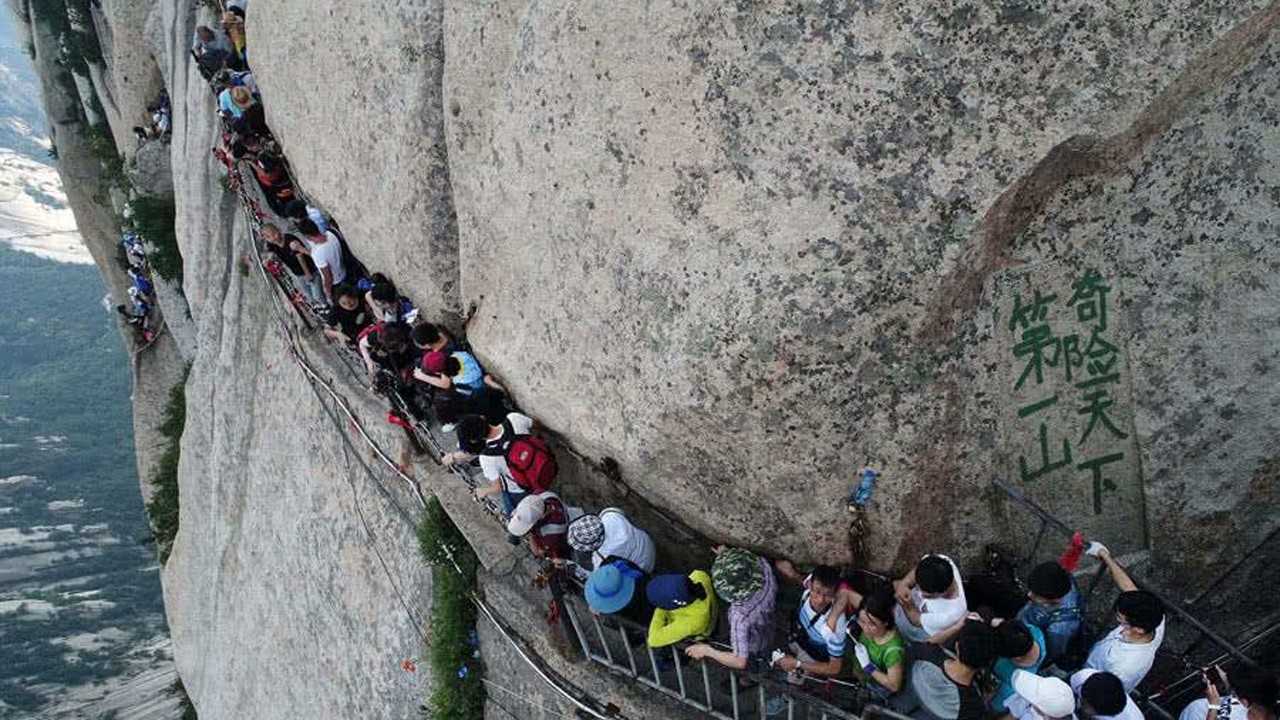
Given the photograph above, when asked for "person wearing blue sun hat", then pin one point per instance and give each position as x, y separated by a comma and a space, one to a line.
617, 587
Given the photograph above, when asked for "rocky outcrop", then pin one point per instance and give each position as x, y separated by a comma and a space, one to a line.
129, 80
332, 646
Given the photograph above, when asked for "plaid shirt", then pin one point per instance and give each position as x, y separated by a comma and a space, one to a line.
751, 621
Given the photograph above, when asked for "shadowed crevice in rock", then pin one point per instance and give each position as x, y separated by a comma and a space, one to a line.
444, 225
1083, 156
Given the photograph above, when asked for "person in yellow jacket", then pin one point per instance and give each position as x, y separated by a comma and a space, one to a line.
684, 607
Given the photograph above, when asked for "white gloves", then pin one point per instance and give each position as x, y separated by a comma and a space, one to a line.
777, 655
864, 658
1095, 549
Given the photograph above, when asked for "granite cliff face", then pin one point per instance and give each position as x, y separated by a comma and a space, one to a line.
746, 247
740, 249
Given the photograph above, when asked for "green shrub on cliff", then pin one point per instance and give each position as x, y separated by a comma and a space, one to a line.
103, 148
153, 217
163, 506
457, 688
72, 23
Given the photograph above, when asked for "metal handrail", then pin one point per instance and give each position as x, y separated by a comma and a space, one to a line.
652, 676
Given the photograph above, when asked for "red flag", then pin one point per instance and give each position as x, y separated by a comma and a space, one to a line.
1071, 557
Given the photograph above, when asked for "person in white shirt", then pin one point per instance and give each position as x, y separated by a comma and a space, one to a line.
477, 437
1129, 650
611, 534
1040, 698
931, 603
1101, 696
326, 253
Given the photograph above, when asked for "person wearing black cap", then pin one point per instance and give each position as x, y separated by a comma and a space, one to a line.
684, 607
1055, 607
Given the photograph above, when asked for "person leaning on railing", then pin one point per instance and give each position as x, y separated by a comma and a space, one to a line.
684, 606
747, 583
814, 647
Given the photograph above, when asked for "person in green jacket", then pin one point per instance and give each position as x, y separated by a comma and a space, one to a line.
684, 607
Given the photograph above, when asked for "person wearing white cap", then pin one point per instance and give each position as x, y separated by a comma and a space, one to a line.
1040, 698
544, 519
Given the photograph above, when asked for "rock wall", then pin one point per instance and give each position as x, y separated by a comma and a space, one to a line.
130, 80
355, 101
745, 247
776, 222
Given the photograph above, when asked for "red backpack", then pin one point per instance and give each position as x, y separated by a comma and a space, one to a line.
529, 460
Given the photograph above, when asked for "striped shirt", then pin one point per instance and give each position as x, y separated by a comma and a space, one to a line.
751, 621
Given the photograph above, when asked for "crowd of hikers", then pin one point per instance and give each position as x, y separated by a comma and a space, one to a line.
159, 124
137, 313
930, 643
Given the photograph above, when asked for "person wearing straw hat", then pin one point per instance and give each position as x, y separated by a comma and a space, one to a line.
234, 101
745, 581
1040, 698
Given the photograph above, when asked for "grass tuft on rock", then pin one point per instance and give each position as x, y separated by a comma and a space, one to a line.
457, 691
184, 701
163, 506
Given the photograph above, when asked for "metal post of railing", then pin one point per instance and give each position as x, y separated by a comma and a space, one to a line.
627, 644
706, 685
1161, 712
733, 692
600, 632
764, 701
653, 663
791, 707
1173, 607
679, 673
577, 629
